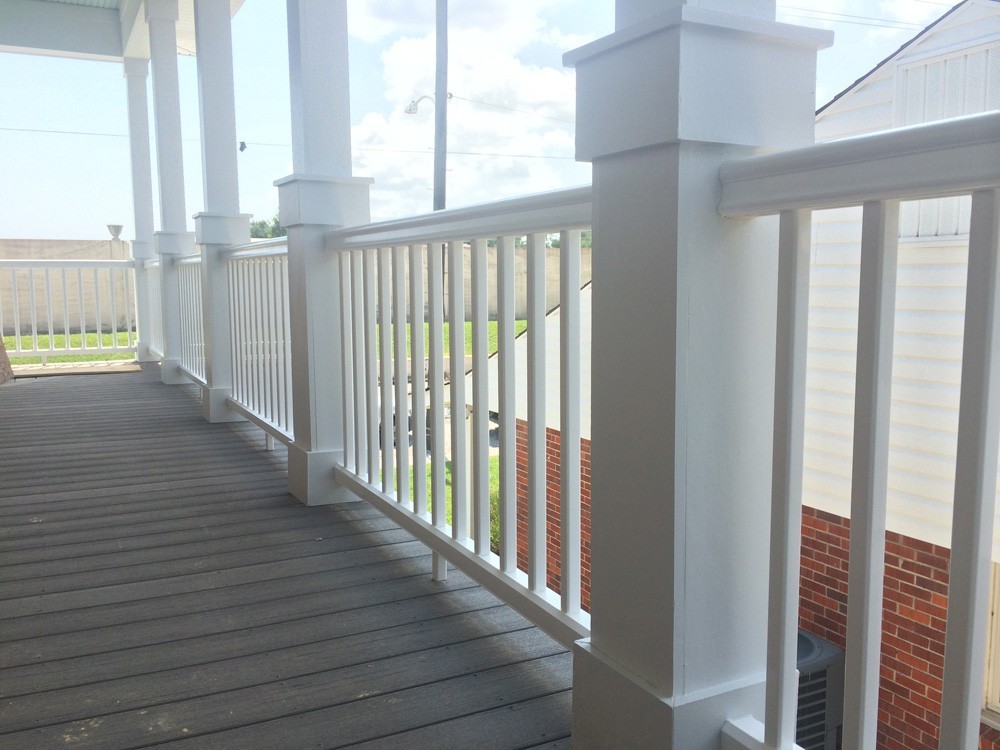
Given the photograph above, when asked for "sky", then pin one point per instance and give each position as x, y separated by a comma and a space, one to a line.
64, 156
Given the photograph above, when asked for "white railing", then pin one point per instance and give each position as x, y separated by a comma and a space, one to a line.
67, 307
877, 172
384, 268
260, 338
192, 331
155, 323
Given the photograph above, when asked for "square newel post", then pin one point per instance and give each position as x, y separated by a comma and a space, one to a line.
309, 208
684, 306
220, 225
214, 233
141, 252
321, 195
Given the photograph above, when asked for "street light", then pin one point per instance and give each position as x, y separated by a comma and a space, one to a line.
440, 143
411, 108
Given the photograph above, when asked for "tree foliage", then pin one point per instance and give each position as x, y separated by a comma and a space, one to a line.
264, 229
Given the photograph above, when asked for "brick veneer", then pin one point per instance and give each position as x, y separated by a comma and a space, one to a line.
552, 534
915, 604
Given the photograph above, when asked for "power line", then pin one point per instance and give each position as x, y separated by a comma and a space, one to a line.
288, 145
64, 132
425, 152
911, 27
512, 109
834, 17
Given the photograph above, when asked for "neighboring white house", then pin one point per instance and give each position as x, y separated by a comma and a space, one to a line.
952, 68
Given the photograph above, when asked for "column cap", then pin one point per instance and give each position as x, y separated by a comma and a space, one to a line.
323, 200
161, 10
686, 14
221, 229
142, 250
135, 66
174, 243
683, 75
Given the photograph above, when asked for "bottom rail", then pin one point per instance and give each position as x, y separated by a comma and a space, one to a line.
542, 610
270, 429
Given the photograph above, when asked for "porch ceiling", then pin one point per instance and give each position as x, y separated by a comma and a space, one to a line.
89, 29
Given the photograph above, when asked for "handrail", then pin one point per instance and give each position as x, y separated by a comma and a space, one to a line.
193, 259
263, 249
932, 160
570, 209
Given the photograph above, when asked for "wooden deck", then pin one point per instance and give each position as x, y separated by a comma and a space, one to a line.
159, 585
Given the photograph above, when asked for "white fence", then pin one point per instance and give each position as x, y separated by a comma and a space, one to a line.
383, 281
67, 307
877, 172
260, 340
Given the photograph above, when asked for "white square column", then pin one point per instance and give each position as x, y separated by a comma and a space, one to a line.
319, 196
683, 365
173, 239
136, 71
221, 224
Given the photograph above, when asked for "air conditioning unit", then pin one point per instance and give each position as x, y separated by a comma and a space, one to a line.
821, 693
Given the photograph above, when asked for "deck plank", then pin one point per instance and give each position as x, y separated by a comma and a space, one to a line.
158, 585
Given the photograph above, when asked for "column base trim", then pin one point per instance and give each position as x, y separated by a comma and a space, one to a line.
144, 354
311, 478
171, 372
613, 707
215, 405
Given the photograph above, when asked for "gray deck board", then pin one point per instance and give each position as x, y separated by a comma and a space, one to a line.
158, 585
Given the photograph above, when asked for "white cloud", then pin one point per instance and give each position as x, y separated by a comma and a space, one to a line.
510, 123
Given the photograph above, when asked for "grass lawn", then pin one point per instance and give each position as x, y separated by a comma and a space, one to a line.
491, 331
76, 341
494, 497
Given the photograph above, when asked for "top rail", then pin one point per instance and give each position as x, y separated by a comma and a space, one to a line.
266, 248
76, 263
564, 209
924, 161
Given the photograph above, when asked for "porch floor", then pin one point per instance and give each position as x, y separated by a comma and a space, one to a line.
158, 584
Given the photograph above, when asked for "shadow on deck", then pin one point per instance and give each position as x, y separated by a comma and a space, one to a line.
158, 584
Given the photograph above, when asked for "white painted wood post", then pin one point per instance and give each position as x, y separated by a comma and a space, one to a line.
975, 482
320, 195
136, 71
786, 483
173, 239
220, 224
683, 364
876, 316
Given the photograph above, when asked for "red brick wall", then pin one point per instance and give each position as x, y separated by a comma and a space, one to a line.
553, 543
915, 605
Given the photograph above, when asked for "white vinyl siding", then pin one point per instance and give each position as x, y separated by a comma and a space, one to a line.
930, 303
953, 70
936, 89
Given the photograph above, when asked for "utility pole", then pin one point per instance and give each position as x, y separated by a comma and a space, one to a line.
440, 103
